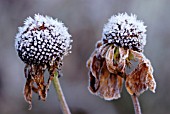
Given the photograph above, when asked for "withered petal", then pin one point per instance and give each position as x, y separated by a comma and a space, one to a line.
138, 55
28, 92
141, 78
93, 84
109, 85
113, 88
151, 81
98, 44
96, 65
103, 50
110, 60
114, 64
35, 82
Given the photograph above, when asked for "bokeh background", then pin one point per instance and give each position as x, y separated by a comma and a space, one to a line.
85, 20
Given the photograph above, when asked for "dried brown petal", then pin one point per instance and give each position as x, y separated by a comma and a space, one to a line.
41, 87
138, 55
28, 92
130, 58
151, 80
93, 83
103, 50
141, 78
96, 66
112, 89
98, 44
108, 86
35, 81
115, 59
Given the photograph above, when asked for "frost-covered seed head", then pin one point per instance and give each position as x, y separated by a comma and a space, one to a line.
125, 31
42, 40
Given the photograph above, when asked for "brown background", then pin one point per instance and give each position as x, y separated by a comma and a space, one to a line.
85, 20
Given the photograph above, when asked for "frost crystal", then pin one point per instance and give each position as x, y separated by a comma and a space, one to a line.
125, 31
42, 40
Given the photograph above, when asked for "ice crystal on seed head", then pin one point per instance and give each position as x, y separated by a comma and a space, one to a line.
125, 31
42, 39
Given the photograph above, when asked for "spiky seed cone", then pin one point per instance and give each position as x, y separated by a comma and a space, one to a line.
42, 40
41, 43
125, 31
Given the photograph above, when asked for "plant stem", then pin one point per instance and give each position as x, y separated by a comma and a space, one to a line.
61, 98
136, 104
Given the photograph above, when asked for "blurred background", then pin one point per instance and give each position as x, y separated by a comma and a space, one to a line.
85, 20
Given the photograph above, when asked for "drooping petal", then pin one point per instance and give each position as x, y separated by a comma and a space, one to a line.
113, 88
28, 92
93, 83
141, 78
115, 59
96, 65
108, 86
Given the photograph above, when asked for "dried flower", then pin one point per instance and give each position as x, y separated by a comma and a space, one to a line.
123, 41
103, 83
41, 44
140, 79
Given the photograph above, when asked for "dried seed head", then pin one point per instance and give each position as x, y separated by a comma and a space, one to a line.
41, 43
125, 31
122, 42
42, 40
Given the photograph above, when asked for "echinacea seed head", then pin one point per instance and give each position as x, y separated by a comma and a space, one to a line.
42, 40
125, 31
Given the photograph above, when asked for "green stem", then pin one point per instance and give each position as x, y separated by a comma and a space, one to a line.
61, 98
136, 104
